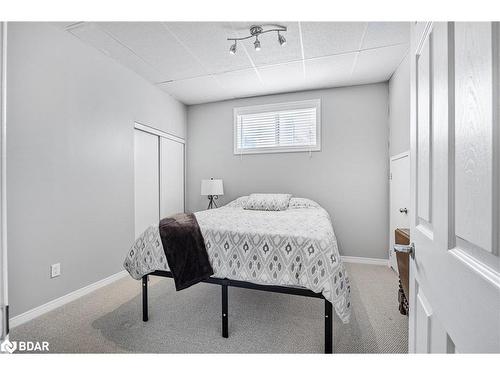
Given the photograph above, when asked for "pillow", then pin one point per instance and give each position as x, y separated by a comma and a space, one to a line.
238, 202
267, 202
302, 203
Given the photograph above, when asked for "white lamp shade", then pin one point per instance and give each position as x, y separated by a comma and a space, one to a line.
212, 187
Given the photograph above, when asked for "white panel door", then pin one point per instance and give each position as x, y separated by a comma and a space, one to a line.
146, 180
171, 177
454, 216
400, 200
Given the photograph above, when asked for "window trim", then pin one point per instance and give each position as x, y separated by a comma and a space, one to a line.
316, 103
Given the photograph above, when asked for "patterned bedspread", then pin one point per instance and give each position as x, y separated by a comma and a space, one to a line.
294, 247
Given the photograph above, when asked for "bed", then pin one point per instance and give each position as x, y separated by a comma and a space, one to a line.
291, 251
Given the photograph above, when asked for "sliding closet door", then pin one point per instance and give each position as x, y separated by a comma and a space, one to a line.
171, 177
147, 192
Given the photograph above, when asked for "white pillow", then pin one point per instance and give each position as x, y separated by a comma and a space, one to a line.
267, 202
302, 203
238, 202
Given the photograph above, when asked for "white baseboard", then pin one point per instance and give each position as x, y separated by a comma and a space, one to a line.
58, 302
363, 260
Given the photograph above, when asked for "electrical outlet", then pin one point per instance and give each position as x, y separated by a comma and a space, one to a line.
55, 270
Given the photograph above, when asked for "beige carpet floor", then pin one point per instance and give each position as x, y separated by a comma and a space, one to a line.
109, 320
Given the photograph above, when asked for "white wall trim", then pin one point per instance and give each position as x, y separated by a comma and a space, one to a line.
400, 155
158, 132
58, 302
363, 260
70, 297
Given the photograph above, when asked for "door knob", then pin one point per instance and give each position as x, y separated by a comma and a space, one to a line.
403, 210
406, 249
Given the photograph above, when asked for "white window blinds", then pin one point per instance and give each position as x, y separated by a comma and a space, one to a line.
281, 127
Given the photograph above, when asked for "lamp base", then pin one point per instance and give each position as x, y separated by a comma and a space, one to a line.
211, 201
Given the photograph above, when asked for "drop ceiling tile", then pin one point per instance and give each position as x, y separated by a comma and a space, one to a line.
271, 51
381, 34
283, 77
196, 90
377, 65
97, 38
208, 42
328, 38
241, 83
330, 71
64, 24
156, 45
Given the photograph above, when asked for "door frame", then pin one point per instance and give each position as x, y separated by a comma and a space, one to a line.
391, 231
158, 132
4, 300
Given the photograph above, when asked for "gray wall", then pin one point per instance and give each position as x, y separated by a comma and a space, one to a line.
348, 177
71, 112
399, 108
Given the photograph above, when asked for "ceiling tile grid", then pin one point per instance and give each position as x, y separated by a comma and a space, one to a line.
330, 71
158, 47
99, 39
191, 60
378, 64
329, 38
207, 42
195, 90
382, 34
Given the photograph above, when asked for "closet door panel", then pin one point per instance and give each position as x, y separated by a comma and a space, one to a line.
146, 180
171, 177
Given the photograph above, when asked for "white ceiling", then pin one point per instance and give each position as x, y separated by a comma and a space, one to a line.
191, 60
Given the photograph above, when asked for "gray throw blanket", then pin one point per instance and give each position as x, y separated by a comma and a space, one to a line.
185, 250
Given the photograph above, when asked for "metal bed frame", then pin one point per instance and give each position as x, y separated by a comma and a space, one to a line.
225, 283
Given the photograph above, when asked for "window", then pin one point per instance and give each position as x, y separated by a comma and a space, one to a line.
284, 127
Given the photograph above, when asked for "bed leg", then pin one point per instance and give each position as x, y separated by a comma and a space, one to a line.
328, 327
225, 333
145, 298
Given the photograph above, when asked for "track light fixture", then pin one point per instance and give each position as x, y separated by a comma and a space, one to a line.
257, 44
281, 39
255, 31
232, 49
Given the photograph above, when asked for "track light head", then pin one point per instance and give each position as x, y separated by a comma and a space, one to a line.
281, 39
232, 49
257, 44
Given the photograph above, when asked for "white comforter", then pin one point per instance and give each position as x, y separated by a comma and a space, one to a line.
295, 247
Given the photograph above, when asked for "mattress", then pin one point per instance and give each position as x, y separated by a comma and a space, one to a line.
294, 247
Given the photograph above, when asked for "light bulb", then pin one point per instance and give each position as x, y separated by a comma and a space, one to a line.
257, 44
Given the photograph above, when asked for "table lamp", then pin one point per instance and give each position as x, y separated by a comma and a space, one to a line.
212, 189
